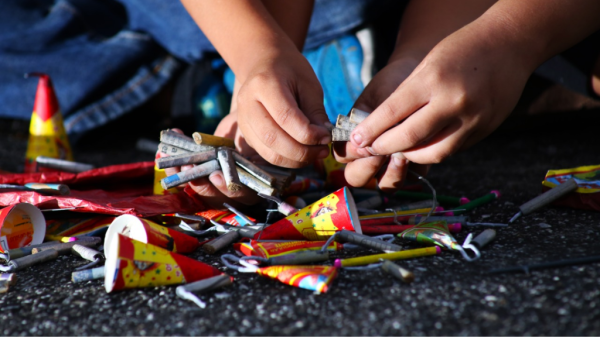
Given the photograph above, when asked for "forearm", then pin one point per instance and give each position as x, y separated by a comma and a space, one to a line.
293, 16
533, 31
426, 22
242, 31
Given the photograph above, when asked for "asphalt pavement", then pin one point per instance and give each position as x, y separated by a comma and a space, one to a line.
448, 297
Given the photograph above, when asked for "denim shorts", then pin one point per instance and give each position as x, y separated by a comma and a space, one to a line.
107, 57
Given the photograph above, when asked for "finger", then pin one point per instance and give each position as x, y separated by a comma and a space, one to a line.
441, 146
401, 104
394, 174
244, 195
273, 143
359, 172
311, 103
345, 152
278, 100
416, 130
211, 194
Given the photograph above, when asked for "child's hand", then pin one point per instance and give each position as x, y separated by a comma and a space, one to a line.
280, 110
391, 170
213, 188
463, 89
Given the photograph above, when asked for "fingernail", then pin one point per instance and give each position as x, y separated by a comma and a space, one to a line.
323, 154
399, 159
216, 178
371, 151
357, 138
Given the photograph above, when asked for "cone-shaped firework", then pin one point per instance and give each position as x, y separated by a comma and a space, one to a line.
147, 231
317, 221
134, 264
316, 278
47, 135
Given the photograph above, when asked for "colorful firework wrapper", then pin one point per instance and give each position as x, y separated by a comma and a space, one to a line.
316, 278
225, 217
21, 225
79, 227
272, 249
317, 221
147, 231
586, 196
134, 264
432, 233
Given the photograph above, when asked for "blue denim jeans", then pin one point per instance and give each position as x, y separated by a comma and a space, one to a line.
107, 57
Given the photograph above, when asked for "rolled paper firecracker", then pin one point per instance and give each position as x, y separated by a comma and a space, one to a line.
247, 232
3, 287
401, 255
442, 199
229, 169
317, 221
221, 242
86, 252
196, 218
357, 115
371, 203
63, 165
21, 225
9, 278
299, 258
146, 145
546, 198
253, 169
87, 275
24, 251
274, 249
171, 150
134, 264
365, 241
493, 195
146, 231
279, 173
50, 237
416, 205
65, 247
186, 176
343, 122
254, 183
315, 278
340, 135
397, 229
391, 217
415, 220
484, 238
31, 260
182, 141
47, 189
282, 206
397, 271
210, 140
47, 135
209, 284
185, 159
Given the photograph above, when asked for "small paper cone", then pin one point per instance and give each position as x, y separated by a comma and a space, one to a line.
317, 221
21, 225
147, 231
47, 135
134, 264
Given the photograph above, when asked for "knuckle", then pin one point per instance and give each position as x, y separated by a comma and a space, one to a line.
409, 138
270, 138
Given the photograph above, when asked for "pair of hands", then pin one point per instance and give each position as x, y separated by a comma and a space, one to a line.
423, 112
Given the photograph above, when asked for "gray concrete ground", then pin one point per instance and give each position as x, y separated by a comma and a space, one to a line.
449, 297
